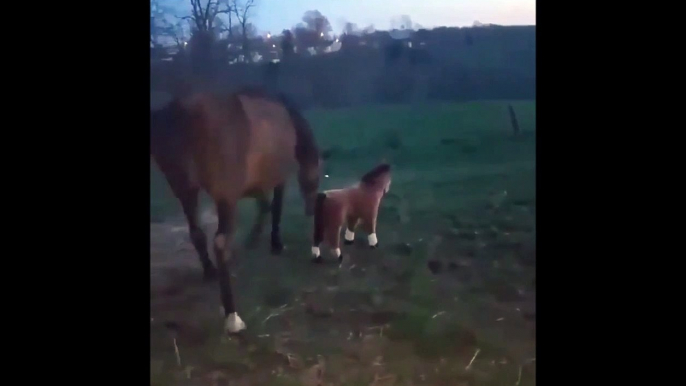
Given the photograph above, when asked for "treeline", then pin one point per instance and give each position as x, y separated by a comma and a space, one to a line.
494, 62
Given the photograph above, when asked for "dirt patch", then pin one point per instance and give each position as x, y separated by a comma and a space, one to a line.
382, 318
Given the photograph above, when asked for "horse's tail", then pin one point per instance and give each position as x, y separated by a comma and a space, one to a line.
319, 219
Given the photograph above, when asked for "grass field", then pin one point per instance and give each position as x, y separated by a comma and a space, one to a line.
454, 275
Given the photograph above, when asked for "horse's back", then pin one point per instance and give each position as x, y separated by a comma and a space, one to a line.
241, 143
271, 149
218, 134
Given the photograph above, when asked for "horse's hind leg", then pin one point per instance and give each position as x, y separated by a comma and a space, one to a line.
189, 203
222, 249
277, 207
256, 231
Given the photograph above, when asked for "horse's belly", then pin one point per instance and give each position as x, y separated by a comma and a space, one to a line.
265, 172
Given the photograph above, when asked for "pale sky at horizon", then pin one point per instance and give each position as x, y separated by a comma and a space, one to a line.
277, 15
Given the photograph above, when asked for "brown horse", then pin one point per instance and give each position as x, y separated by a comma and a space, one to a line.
243, 145
351, 205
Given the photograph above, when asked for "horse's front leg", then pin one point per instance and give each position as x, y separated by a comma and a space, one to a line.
226, 213
189, 203
277, 207
256, 231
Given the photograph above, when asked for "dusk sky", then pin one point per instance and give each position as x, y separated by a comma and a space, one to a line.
276, 15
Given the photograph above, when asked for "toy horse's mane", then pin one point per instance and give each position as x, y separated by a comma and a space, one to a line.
373, 175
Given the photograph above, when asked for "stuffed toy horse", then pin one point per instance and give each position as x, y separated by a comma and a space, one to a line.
352, 205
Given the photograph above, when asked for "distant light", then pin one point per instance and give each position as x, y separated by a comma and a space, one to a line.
326, 175
269, 36
336, 40
274, 45
185, 43
321, 34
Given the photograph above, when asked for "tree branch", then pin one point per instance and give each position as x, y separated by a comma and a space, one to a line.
207, 14
242, 13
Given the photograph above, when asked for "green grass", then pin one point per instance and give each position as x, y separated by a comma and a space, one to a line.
463, 194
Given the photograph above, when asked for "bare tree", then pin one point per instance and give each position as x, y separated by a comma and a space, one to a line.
315, 21
160, 25
350, 28
287, 44
204, 30
313, 32
173, 31
242, 12
204, 13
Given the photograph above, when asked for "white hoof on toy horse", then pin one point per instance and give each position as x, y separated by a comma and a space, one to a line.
372, 240
234, 323
349, 236
315, 251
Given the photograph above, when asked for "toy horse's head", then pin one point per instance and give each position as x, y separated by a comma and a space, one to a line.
378, 178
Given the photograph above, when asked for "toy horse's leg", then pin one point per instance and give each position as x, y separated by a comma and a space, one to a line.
351, 222
277, 206
316, 252
226, 213
369, 226
189, 203
263, 208
319, 227
336, 243
333, 238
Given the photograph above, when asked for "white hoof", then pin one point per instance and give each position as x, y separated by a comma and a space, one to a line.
315, 251
349, 236
234, 323
372, 239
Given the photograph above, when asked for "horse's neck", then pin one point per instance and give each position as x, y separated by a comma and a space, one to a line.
371, 192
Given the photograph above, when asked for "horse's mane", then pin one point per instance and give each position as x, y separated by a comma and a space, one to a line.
373, 175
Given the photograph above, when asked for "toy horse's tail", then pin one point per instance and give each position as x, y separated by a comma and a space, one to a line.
319, 218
